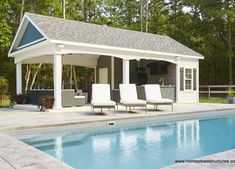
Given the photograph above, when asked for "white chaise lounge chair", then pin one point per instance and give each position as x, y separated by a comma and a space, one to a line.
128, 97
101, 97
153, 96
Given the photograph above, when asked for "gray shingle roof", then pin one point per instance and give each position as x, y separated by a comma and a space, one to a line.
75, 31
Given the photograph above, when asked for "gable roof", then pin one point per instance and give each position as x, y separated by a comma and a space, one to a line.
80, 32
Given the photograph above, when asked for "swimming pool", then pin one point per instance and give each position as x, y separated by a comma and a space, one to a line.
150, 146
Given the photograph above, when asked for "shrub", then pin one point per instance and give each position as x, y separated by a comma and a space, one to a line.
20, 98
230, 92
46, 102
3, 86
3, 89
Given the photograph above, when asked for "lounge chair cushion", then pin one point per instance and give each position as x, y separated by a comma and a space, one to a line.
104, 103
80, 97
100, 92
161, 101
128, 95
128, 92
101, 95
152, 92
133, 102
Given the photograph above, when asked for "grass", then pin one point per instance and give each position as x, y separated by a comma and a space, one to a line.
212, 100
4, 102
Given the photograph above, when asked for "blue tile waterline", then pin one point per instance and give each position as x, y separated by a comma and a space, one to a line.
147, 147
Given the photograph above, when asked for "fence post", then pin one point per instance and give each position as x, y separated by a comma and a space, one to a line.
209, 92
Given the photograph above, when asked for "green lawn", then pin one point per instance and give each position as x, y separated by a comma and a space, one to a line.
5, 102
212, 100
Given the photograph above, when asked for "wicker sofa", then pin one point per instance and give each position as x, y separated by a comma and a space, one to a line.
69, 97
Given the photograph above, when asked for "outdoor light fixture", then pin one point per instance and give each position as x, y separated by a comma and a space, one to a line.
177, 58
60, 46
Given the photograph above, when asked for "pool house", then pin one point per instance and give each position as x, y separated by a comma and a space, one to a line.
116, 56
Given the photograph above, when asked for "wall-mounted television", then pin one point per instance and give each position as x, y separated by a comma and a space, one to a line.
158, 68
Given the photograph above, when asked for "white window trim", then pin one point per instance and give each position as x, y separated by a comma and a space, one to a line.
188, 90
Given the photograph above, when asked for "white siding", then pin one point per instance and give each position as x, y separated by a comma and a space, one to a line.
187, 96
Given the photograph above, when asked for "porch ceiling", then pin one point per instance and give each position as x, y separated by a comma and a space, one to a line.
85, 60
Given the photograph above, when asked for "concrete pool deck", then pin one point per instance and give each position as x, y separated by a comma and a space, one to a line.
228, 156
15, 154
12, 119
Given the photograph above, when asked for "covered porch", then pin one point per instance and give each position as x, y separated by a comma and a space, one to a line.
120, 70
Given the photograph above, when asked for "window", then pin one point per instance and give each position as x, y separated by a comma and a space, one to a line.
103, 75
188, 79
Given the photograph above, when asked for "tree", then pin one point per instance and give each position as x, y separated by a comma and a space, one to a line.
228, 16
158, 17
3, 88
217, 19
22, 10
7, 24
63, 9
205, 26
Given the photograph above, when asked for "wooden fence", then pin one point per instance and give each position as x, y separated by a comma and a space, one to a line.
209, 90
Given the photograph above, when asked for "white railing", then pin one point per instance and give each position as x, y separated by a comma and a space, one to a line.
215, 89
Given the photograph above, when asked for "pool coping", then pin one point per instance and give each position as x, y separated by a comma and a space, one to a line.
160, 118
15, 154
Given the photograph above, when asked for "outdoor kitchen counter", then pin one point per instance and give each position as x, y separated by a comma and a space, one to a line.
168, 92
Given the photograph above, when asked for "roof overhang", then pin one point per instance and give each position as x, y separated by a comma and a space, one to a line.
93, 46
50, 47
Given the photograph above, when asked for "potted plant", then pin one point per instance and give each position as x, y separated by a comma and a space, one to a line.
46, 102
230, 97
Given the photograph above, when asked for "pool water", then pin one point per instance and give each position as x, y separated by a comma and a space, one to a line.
148, 147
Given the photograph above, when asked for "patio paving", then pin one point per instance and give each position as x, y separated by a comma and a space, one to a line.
11, 119
225, 160
15, 154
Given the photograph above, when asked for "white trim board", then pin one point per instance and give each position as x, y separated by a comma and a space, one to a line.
23, 25
31, 43
17, 34
124, 49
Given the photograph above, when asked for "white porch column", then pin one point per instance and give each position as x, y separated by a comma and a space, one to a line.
112, 72
126, 73
19, 78
95, 73
177, 80
57, 75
